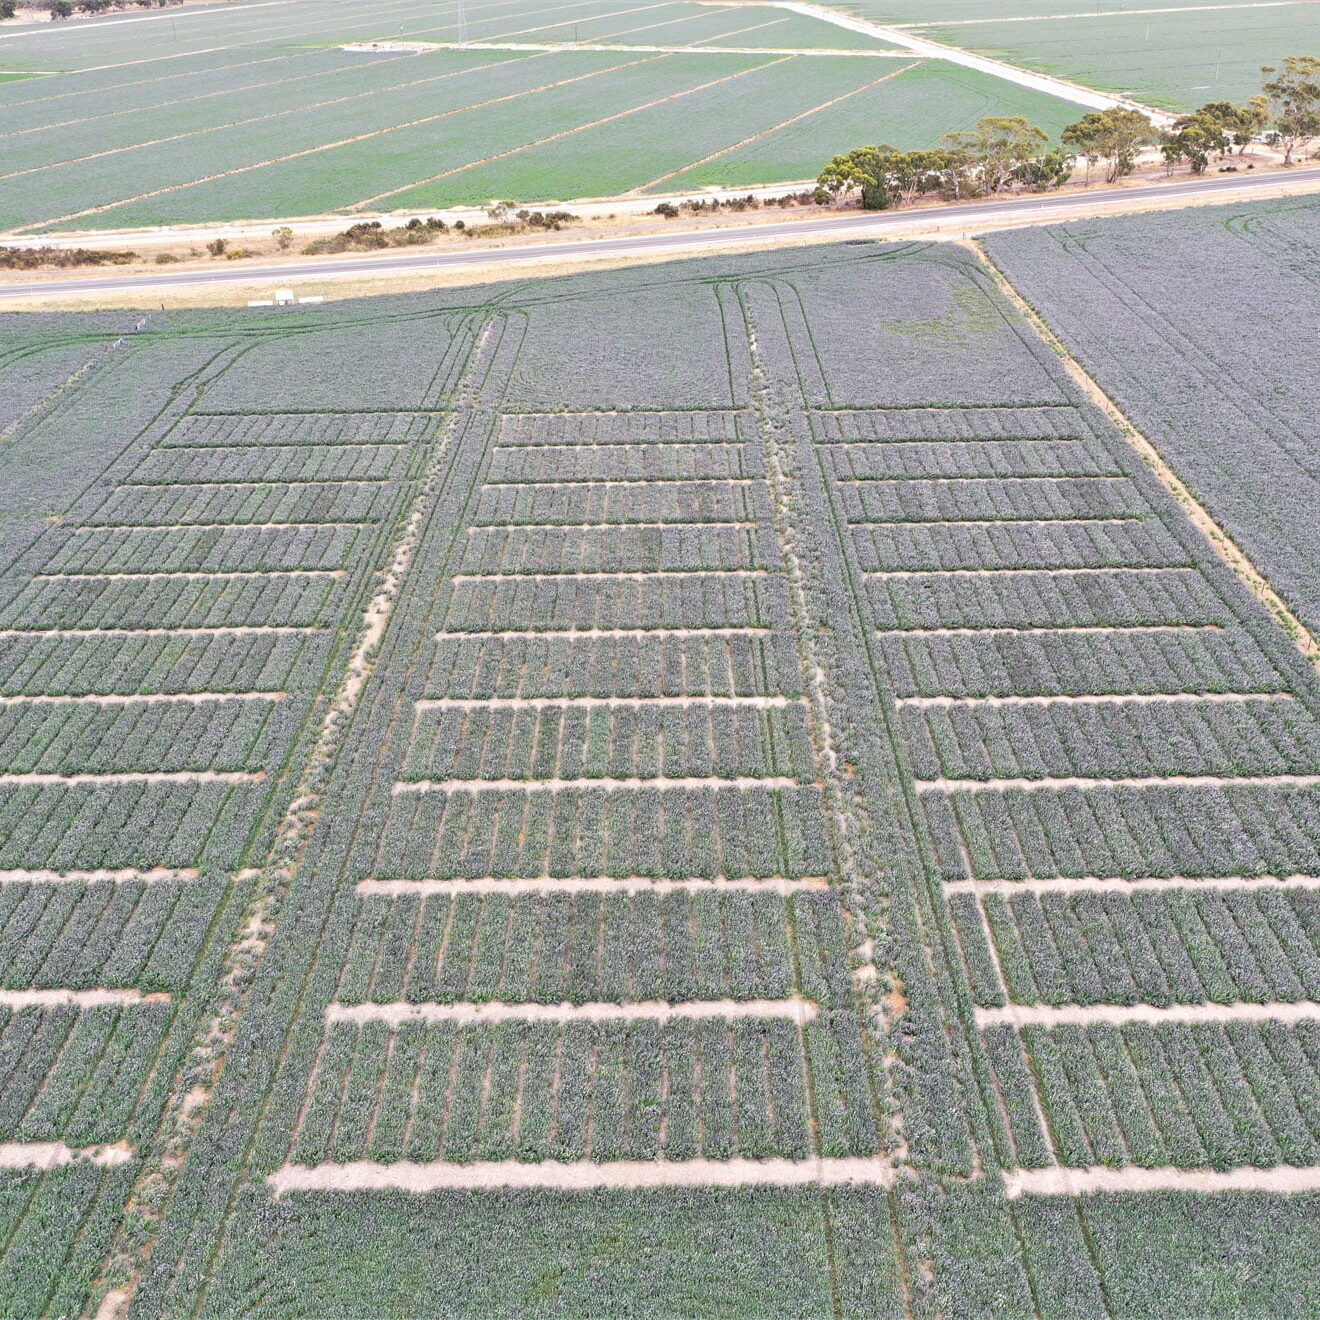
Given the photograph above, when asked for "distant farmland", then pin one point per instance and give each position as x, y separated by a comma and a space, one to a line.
756, 820
256, 111
1176, 56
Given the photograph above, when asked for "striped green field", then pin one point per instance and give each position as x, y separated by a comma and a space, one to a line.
256, 110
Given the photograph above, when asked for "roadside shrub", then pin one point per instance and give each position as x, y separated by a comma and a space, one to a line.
12, 258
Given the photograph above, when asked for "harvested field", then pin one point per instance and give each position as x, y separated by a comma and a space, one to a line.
788, 819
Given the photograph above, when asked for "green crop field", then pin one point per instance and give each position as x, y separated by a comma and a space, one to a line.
1177, 57
726, 788
254, 111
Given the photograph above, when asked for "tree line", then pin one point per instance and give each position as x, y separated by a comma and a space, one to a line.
1009, 152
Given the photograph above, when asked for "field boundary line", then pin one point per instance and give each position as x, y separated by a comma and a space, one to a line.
1060, 1181
472, 1013
774, 128
942, 785
1220, 542
1003, 572
604, 783
200, 630
541, 703
569, 132
1093, 699
593, 884
1085, 1015
1033, 629
1120, 885
588, 634
125, 698
363, 1175
631, 575
136, 777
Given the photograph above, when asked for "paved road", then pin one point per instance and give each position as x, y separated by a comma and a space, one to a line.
963, 217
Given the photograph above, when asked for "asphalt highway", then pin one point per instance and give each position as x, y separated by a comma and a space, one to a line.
980, 216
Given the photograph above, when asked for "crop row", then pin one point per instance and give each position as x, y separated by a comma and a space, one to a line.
133, 824
626, 428
630, 665
1044, 544
656, 502
671, 600
251, 502
710, 461
1189, 1095
621, 742
587, 832
631, 1090
1045, 600
106, 603
183, 662
77, 935
225, 549
318, 430
73, 1075
950, 499
1150, 831
1204, 737
947, 424
1180, 946
550, 948
85, 738
899, 460
616, 549
272, 463
1046, 663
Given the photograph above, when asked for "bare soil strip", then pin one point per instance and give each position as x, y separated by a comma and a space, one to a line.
17, 999
1062, 628
363, 1175
590, 633
589, 884
1082, 1015
542, 703
557, 785
1223, 544
127, 698
1117, 884
597, 527
233, 573
1094, 699
51, 1154
152, 875
621, 481
669, 573
1006, 572
1138, 781
161, 632
207, 527
140, 776
656, 1010
1283, 1179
